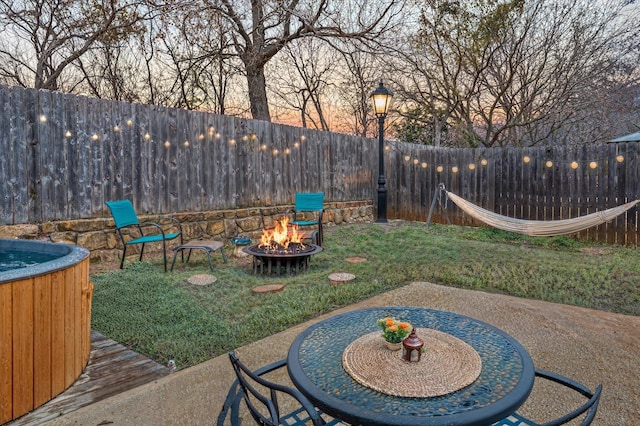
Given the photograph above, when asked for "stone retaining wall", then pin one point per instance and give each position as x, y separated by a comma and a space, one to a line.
99, 235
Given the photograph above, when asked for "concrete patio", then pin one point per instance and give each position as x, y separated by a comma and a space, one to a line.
589, 346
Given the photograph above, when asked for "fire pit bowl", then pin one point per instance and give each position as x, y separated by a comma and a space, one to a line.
294, 259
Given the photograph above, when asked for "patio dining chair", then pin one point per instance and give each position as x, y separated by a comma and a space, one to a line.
587, 410
264, 404
307, 211
125, 218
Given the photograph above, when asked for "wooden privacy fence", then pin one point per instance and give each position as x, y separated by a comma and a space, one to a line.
541, 183
63, 156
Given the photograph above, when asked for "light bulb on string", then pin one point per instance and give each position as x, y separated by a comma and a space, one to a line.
167, 144
186, 144
129, 123
147, 137
472, 166
296, 144
454, 169
200, 137
407, 158
424, 165
484, 162
95, 137
439, 169
275, 152
620, 158
526, 159
263, 147
217, 136
68, 134
43, 118
116, 128
303, 138
287, 151
574, 165
593, 164
549, 164
416, 161
232, 142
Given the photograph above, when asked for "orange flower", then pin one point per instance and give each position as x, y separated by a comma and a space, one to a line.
404, 325
389, 321
392, 328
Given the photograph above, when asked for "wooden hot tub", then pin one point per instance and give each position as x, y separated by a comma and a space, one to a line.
45, 324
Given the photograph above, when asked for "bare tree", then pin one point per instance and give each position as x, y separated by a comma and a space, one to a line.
516, 72
301, 79
41, 38
261, 28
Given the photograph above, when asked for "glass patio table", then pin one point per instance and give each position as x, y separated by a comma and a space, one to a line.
505, 380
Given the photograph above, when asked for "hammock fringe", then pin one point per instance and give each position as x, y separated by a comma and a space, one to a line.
539, 227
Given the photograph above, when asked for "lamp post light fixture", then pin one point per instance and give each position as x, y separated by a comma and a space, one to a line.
381, 98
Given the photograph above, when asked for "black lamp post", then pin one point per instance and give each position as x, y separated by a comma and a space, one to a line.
381, 98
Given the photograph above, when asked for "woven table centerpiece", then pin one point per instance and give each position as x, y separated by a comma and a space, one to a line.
448, 364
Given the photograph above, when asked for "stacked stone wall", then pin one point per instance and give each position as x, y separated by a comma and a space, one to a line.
100, 237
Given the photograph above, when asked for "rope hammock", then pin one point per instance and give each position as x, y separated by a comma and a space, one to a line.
539, 227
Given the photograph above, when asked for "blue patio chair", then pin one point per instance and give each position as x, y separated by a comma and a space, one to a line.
265, 408
125, 217
307, 211
588, 409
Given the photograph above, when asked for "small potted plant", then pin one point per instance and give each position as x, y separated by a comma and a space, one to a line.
394, 332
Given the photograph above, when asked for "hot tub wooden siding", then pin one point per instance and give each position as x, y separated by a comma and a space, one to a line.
45, 337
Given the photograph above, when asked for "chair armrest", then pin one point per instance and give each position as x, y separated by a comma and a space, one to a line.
590, 407
155, 225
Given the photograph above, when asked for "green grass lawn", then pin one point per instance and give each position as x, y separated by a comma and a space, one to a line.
164, 317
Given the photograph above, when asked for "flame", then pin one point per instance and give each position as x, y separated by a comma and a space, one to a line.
281, 235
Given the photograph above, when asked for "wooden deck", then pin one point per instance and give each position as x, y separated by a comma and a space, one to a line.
112, 369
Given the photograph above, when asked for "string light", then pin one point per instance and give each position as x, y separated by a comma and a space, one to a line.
129, 123
574, 165
416, 161
186, 144
43, 118
619, 158
484, 162
549, 164
68, 134
287, 151
167, 144
593, 164
232, 141
526, 159
200, 137
407, 158
245, 138
95, 137
472, 166
454, 169
296, 144
217, 136
275, 152
253, 136
147, 137
424, 165
439, 169
116, 128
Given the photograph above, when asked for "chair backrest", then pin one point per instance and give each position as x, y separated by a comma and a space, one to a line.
247, 379
309, 201
123, 213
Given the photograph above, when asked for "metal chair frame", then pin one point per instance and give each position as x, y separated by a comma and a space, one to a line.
309, 202
589, 408
125, 217
243, 388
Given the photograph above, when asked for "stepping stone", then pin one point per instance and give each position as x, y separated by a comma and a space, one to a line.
268, 288
356, 259
202, 279
338, 278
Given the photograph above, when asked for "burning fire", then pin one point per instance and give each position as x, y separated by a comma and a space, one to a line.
281, 235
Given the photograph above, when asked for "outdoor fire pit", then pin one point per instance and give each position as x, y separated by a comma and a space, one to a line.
281, 250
